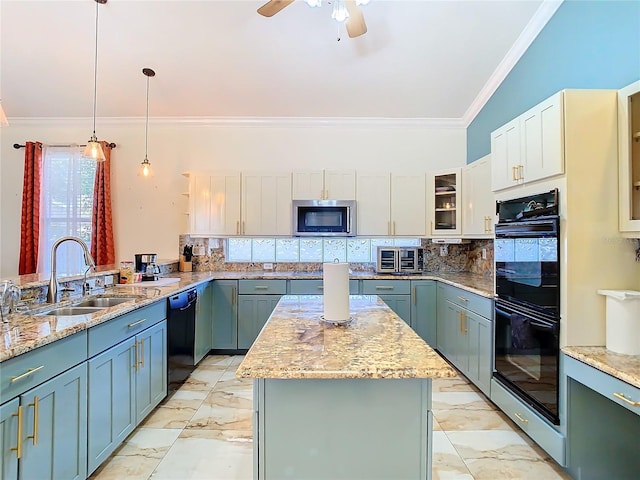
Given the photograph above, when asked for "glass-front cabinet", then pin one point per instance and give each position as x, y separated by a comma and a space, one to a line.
629, 161
445, 201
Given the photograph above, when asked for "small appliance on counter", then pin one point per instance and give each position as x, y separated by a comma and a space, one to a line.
147, 266
400, 260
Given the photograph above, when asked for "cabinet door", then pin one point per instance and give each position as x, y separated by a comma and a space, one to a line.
340, 184
55, 428
455, 337
408, 205
112, 401
423, 310
308, 185
204, 321
542, 153
225, 314
151, 370
9, 439
199, 203
253, 313
480, 348
401, 304
477, 199
629, 157
266, 206
225, 203
505, 155
445, 190
373, 192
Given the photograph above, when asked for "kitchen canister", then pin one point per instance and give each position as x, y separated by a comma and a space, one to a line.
622, 321
335, 288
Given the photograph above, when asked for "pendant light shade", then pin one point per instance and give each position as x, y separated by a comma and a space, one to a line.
94, 149
145, 166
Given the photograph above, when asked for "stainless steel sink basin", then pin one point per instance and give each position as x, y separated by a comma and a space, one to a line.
104, 302
67, 311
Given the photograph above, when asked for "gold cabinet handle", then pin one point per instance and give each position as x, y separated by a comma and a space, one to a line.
388, 228
464, 322
135, 364
35, 405
320, 287
463, 299
460, 322
413, 295
18, 447
513, 174
238, 227
326, 194
520, 172
384, 287
244, 232
141, 363
621, 396
261, 287
394, 227
521, 418
31, 371
137, 323
233, 296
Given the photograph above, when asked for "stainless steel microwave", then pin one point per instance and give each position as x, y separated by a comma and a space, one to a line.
324, 218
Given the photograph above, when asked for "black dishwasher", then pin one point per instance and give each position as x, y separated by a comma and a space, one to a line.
181, 334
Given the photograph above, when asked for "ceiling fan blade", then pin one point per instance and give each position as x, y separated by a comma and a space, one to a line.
272, 7
355, 23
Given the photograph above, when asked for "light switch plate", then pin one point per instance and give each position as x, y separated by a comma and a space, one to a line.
267, 266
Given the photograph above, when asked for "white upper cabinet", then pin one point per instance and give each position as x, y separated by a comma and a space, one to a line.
266, 204
373, 196
529, 147
444, 203
478, 201
214, 203
408, 205
629, 158
324, 185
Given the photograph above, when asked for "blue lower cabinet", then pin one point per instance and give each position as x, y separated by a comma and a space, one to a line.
151, 374
54, 416
9, 439
423, 310
400, 304
204, 321
225, 315
112, 401
253, 313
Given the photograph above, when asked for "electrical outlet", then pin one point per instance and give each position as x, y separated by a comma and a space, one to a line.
443, 250
484, 253
267, 266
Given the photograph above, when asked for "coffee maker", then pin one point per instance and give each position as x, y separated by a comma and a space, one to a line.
146, 264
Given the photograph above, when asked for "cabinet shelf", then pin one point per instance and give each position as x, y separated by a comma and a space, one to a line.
452, 209
450, 193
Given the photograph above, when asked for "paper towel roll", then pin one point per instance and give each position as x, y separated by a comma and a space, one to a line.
335, 281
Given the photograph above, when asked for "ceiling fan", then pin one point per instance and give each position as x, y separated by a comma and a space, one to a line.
354, 23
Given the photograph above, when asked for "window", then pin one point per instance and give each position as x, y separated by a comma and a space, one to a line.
66, 207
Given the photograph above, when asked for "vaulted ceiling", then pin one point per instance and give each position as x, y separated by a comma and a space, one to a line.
218, 58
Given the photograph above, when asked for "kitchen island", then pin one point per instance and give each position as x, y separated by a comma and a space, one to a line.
349, 401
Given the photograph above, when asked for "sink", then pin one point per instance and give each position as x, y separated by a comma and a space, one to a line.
104, 302
67, 311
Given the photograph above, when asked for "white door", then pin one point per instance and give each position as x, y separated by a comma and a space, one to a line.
340, 184
478, 203
200, 203
505, 156
408, 205
308, 185
225, 203
373, 196
266, 205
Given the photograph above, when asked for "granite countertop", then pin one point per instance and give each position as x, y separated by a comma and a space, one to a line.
296, 344
25, 332
623, 367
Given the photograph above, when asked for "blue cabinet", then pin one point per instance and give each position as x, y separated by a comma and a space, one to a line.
423, 309
10, 417
395, 293
125, 383
253, 313
204, 321
464, 333
225, 315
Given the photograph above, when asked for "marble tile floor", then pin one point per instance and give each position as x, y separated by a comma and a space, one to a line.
203, 431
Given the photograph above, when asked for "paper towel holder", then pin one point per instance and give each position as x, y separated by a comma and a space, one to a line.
336, 322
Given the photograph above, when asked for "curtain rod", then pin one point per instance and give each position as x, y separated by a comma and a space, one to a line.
18, 146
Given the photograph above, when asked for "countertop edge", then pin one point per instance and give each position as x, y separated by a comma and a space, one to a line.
620, 366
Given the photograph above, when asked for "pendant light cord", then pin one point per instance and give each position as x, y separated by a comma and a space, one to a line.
146, 128
95, 74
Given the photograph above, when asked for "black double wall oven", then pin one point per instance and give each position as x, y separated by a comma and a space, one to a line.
527, 307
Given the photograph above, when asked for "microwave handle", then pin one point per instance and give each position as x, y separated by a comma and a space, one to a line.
349, 217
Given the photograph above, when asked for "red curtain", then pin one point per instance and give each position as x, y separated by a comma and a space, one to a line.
102, 244
30, 226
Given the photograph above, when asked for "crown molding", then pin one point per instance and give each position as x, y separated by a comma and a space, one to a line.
247, 121
542, 16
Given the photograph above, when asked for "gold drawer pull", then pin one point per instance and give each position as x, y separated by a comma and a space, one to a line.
18, 447
462, 299
31, 371
521, 418
261, 287
137, 323
513, 174
320, 287
384, 287
621, 396
35, 405
141, 362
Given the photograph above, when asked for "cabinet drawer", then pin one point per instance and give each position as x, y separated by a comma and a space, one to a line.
262, 287
314, 287
118, 329
547, 437
25, 371
476, 303
386, 287
614, 389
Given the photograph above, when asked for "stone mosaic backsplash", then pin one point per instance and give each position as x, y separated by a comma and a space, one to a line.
459, 258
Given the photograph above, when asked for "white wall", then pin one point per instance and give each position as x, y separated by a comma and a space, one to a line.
149, 213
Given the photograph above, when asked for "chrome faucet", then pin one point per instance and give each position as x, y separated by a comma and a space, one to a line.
52, 294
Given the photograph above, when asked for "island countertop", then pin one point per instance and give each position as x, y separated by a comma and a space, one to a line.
376, 344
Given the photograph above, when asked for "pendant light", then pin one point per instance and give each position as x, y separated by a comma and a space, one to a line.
145, 166
94, 149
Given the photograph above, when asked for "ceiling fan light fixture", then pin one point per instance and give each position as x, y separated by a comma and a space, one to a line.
145, 166
93, 149
340, 13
